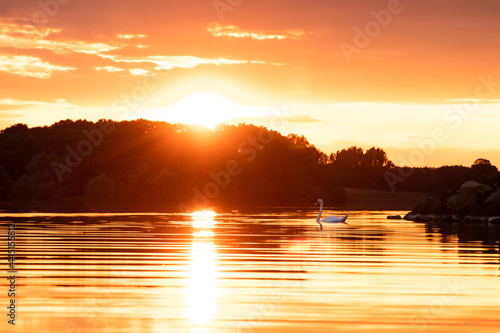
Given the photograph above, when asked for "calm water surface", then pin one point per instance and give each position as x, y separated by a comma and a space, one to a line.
249, 272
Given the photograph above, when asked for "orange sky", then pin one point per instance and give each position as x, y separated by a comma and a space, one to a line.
367, 73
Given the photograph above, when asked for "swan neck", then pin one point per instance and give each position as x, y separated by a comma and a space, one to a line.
320, 211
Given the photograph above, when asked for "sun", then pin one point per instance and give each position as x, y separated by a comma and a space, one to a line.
204, 108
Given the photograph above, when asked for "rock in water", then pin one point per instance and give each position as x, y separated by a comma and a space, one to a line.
470, 186
492, 203
463, 204
475, 219
472, 202
456, 202
477, 191
494, 219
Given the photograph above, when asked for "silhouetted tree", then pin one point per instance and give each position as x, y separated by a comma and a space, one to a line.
149, 162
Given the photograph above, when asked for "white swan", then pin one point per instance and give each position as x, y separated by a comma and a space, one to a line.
329, 219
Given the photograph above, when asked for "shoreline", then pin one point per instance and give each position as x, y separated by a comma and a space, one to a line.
357, 199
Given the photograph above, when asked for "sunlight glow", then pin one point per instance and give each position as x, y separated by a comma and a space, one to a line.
202, 294
206, 214
203, 219
204, 108
202, 291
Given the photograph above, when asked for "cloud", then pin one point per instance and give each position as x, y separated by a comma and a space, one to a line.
10, 107
232, 31
290, 118
138, 72
170, 62
12, 29
466, 101
9, 115
28, 38
300, 118
131, 36
30, 67
28, 42
109, 69
7, 105
10, 104
428, 42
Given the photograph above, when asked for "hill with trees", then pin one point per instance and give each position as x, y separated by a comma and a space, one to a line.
157, 164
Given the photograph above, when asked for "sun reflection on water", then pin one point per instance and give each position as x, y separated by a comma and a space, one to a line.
202, 290
203, 220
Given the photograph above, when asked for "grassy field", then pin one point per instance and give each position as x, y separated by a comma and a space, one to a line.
380, 200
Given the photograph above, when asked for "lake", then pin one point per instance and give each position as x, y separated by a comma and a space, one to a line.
257, 271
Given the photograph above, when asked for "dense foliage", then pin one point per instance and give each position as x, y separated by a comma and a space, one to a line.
146, 162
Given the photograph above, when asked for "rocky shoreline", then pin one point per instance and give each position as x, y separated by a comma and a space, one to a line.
473, 202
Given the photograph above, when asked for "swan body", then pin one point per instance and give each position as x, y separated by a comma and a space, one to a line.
329, 219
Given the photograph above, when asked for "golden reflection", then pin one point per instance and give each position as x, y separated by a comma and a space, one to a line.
203, 220
202, 290
204, 214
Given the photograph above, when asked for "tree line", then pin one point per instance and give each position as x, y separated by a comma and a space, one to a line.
155, 163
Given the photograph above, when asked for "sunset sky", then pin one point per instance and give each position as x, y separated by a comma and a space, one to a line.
420, 79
